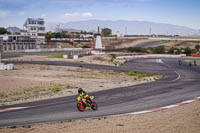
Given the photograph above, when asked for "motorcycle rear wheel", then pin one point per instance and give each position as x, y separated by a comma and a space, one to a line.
94, 106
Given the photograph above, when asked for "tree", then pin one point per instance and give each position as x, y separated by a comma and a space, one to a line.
188, 51
137, 49
56, 35
159, 50
173, 50
3, 31
197, 47
106, 32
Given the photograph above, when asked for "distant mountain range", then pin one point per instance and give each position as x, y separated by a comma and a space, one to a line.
126, 27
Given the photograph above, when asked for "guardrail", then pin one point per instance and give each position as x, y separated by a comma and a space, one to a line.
151, 56
174, 39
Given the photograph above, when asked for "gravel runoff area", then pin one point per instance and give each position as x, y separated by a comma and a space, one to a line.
183, 119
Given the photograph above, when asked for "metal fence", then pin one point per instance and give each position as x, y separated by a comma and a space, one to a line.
14, 47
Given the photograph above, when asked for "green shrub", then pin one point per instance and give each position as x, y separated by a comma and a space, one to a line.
188, 51
13, 127
139, 75
55, 88
159, 50
113, 57
2, 94
136, 49
68, 86
172, 50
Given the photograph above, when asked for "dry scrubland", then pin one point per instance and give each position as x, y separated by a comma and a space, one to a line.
125, 43
181, 44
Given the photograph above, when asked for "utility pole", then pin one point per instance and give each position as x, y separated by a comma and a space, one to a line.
58, 27
98, 30
1, 50
150, 32
125, 30
0, 53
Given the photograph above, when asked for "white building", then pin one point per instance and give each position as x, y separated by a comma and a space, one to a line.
119, 34
36, 29
86, 35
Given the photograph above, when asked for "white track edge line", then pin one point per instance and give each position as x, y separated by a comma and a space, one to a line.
179, 76
165, 107
14, 108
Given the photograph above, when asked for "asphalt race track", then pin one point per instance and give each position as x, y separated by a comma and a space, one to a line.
180, 83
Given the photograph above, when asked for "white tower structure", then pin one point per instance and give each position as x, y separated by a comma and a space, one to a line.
98, 44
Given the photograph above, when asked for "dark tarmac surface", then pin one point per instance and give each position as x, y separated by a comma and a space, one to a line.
180, 83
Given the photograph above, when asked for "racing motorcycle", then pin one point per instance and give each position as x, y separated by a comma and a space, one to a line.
87, 104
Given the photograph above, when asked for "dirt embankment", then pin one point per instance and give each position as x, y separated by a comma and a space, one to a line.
181, 44
125, 43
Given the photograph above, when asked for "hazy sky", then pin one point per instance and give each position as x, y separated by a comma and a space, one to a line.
178, 12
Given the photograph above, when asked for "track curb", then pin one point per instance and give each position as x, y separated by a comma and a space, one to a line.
164, 108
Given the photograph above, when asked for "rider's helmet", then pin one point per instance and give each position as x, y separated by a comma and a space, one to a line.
80, 90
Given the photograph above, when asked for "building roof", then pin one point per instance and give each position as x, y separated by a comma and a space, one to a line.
32, 19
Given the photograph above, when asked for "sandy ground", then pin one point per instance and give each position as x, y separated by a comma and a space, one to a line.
183, 119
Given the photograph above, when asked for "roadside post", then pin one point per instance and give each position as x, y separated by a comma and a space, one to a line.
1, 50
195, 63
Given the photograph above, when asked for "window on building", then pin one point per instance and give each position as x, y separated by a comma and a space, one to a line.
41, 34
41, 22
33, 28
41, 28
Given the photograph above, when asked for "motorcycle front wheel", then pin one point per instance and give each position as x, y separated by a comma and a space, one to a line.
80, 107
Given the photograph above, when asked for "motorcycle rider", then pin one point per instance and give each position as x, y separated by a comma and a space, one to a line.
82, 93
180, 62
195, 63
190, 64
